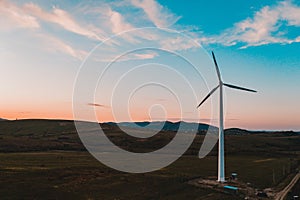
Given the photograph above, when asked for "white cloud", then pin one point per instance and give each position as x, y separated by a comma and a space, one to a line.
159, 15
291, 13
115, 17
178, 43
263, 28
145, 55
130, 56
118, 23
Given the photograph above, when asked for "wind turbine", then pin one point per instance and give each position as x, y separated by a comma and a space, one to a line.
221, 164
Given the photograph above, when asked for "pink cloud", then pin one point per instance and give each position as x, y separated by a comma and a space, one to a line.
62, 18
13, 16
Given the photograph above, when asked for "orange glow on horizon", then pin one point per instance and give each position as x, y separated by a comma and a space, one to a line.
262, 121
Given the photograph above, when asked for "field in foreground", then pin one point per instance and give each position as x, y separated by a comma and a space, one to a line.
77, 175
45, 160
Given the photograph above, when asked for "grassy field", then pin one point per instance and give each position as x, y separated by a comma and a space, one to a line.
77, 175
46, 160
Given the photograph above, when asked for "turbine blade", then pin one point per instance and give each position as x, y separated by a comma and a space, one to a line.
239, 88
217, 67
208, 96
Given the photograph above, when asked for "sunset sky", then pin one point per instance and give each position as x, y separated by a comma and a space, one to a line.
45, 49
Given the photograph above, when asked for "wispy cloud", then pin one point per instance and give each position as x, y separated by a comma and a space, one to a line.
62, 18
113, 17
107, 22
118, 23
55, 44
179, 43
130, 56
263, 28
145, 55
28, 17
12, 16
97, 105
159, 15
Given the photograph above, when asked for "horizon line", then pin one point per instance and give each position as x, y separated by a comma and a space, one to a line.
59, 119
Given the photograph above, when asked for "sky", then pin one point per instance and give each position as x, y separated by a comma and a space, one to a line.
146, 60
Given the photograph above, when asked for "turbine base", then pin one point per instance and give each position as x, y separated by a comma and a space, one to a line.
221, 180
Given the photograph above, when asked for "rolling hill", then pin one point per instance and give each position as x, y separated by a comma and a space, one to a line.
1, 119
168, 126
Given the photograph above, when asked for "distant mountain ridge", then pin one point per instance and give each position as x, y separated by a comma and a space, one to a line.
44, 124
167, 126
191, 127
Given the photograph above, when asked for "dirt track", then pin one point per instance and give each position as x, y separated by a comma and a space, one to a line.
282, 194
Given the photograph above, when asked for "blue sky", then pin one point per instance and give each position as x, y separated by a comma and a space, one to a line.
43, 45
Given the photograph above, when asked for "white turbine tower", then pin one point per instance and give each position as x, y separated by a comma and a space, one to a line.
221, 164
